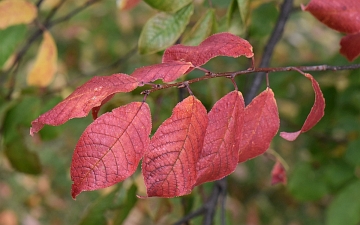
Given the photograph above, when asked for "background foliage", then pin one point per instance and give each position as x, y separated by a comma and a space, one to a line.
323, 174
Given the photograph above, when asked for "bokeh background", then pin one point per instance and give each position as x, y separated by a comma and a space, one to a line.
323, 164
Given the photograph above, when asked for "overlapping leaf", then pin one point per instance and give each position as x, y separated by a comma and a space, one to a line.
221, 44
45, 66
342, 16
316, 113
111, 147
169, 167
84, 98
166, 71
261, 123
220, 153
350, 46
16, 12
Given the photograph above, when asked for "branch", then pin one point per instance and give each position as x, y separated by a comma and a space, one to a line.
210, 75
208, 209
277, 32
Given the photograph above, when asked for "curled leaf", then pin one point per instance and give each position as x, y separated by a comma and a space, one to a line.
110, 148
44, 68
83, 99
316, 113
169, 167
220, 153
261, 123
16, 12
221, 44
166, 71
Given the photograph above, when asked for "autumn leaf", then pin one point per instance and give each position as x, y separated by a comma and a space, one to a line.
221, 44
44, 67
342, 16
169, 166
261, 123
350, 46
220, 153
316, 113
166, 71
16, 12
127, 4
278, 174
83, 99
111, 147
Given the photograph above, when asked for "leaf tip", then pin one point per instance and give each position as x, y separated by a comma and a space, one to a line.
290, 136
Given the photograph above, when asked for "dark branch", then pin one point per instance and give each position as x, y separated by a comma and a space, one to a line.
277, 32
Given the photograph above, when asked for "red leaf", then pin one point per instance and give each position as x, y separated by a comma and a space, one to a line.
261, 123
166, 71
220, 153
340, 15
169, 167
222, 44
350, 46
316, 113
111, 147
83, 99
278, 174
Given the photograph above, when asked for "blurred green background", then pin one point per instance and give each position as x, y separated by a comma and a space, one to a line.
324, 163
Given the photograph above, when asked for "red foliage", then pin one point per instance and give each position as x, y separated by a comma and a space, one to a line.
83, 99
316, 113
166, 71
111, 147
189, 148
278, 174
261, 123
342, 16
222, 44
169, 167
219, 156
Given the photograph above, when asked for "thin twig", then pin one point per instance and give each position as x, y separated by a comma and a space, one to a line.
276, 34
265, 70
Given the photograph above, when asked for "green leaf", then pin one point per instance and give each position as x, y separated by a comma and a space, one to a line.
21, 159
345, 208
201, 30
244, 8
162, 30
127, 206
234, 20
167, 5
10, 39
306, 184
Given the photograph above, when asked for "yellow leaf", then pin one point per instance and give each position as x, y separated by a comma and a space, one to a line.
15, 12
44, 68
